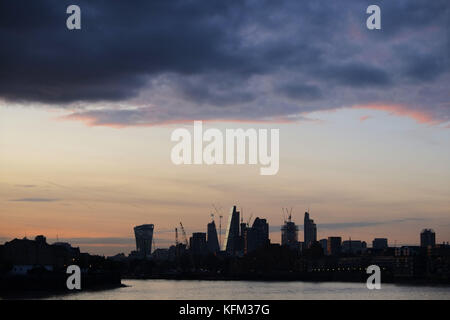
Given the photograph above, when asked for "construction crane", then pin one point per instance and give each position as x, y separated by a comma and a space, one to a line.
220, 231
215, 208
184, 235
177, 247
220, 225
287, 214
154, 244
250, 218
186, 243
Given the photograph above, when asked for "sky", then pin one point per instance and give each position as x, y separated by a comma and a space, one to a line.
86, 117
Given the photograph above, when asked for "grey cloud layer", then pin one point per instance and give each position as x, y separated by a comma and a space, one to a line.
152, 62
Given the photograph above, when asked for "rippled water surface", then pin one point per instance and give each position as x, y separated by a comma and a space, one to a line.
207, 290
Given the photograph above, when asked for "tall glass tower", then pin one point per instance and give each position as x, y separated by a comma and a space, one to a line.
212, 241
232, 239
310, 231
427, 238
289, 233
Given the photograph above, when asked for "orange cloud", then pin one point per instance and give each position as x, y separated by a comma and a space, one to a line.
419, 116
364, 118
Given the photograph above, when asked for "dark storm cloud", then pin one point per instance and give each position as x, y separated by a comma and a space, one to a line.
403, 15
219, 91
119, 45
301, 91
424, 67
357, 75
246, 59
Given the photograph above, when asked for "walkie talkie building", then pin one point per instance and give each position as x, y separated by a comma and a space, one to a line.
144, 239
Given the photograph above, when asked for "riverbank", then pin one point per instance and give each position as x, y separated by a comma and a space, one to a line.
48, 284
45, 294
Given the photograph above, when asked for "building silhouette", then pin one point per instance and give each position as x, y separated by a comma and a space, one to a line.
257, 236
289, 234
232, 237
427, 238
310, 231
25, 254
324, 245
144, 239
334, 246
243, 229
380, 243
212, 241
197, 243
353, 246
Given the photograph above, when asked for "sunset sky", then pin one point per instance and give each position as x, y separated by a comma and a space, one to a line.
86, 117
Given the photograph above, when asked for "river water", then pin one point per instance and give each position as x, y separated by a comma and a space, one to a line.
256, 290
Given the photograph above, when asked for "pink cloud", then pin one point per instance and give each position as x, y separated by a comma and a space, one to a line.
155, 117
364, 118
420, 116
144, 118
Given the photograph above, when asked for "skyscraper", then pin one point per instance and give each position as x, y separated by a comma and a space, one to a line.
232, 238
197, 243
380, 243
212, 241
310, 231
427, 238
324, 245
289, 234
334, 246
262, 227
353, 246
243, 230
257, 236
144, 238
